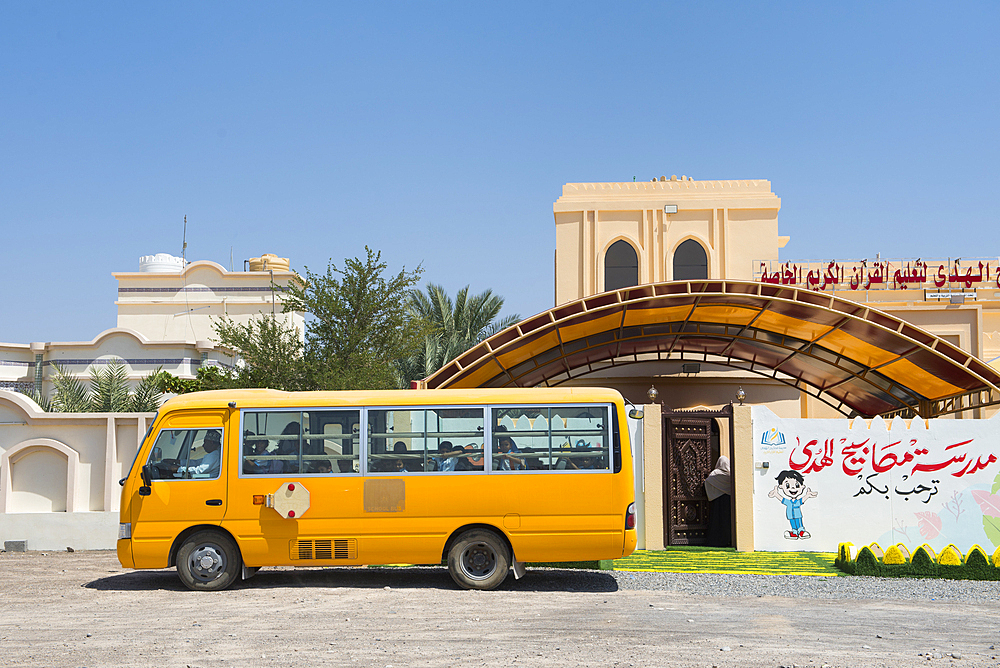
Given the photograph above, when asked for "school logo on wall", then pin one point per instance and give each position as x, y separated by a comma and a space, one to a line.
772, 440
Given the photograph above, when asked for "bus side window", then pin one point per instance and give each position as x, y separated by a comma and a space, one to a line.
331, 444
550, 438
314, 442
420, 440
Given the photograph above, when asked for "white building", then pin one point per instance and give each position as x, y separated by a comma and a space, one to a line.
166, 313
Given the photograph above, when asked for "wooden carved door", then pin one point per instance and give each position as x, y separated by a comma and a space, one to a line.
688, 460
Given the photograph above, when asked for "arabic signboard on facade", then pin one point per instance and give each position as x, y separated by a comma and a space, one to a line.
934, 275
833, 481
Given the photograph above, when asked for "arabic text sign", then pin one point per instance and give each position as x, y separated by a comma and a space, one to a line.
882, 274
848, 481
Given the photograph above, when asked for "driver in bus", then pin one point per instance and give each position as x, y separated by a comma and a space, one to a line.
211, 464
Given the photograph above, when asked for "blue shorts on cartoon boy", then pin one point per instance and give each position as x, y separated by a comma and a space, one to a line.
791, 490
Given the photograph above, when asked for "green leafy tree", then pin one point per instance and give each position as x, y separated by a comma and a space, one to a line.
270, 354
108, 391
452, 327
208, 377
358, 323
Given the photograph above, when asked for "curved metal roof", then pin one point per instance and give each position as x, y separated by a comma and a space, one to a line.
855, 358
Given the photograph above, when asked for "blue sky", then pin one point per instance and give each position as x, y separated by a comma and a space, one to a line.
442, 133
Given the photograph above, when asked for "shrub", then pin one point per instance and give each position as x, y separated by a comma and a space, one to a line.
894, 557
843, 561
950, 556
867, 563
977, 564
922, 562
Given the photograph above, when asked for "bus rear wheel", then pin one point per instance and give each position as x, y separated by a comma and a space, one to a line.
208, 561
479, 559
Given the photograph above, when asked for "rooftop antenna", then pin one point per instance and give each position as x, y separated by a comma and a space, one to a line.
185, 246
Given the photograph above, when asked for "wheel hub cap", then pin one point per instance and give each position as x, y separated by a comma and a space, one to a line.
479, 561
207, 562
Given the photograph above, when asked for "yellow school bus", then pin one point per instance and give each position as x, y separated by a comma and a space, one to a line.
229, 481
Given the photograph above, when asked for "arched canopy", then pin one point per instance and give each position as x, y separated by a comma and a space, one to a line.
853, 357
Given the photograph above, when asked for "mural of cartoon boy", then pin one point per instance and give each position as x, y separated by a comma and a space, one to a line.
791, 490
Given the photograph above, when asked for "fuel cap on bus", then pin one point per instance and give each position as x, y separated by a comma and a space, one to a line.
290, 501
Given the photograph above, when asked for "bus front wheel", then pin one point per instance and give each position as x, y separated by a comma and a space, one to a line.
208, 561
479, 560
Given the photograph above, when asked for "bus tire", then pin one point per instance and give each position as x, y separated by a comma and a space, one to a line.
479, 559
208, 561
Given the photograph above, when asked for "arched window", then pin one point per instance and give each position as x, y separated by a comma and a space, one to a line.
690, 261
621, 266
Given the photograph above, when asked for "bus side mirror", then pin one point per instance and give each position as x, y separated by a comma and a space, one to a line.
145, 490
635, 413
147, 478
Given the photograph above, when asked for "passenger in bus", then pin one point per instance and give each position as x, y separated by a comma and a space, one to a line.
506, 460
253, 447
399, 465
208, 466
447, 458
258, 460
322, 466
474, 453
286, 447
463, 462
345, 466
579, 463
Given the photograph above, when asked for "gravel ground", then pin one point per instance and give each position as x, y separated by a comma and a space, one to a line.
84, 610
856, 587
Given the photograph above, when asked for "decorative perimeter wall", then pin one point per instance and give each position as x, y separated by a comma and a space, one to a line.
59, 473
818, 483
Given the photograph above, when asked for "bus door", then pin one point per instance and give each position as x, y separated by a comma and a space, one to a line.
182, 483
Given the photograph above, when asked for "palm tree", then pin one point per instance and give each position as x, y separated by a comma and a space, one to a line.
108, 392
451, 327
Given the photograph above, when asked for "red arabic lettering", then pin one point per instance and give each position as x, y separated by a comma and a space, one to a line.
884, 464
915, 274
891, 459
941, 278
939, 466
814, 458
979, 464
944, 464
853, 458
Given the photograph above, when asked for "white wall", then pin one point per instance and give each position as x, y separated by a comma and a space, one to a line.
933, 481
59, 473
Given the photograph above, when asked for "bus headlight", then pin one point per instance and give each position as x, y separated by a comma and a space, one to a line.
124, 531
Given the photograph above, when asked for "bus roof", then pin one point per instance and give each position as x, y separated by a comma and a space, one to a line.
255, 398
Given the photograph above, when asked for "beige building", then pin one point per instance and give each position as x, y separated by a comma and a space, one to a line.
614, 235
672, 292
670, 229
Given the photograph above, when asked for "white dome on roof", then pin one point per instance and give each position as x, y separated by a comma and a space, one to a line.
161, 263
